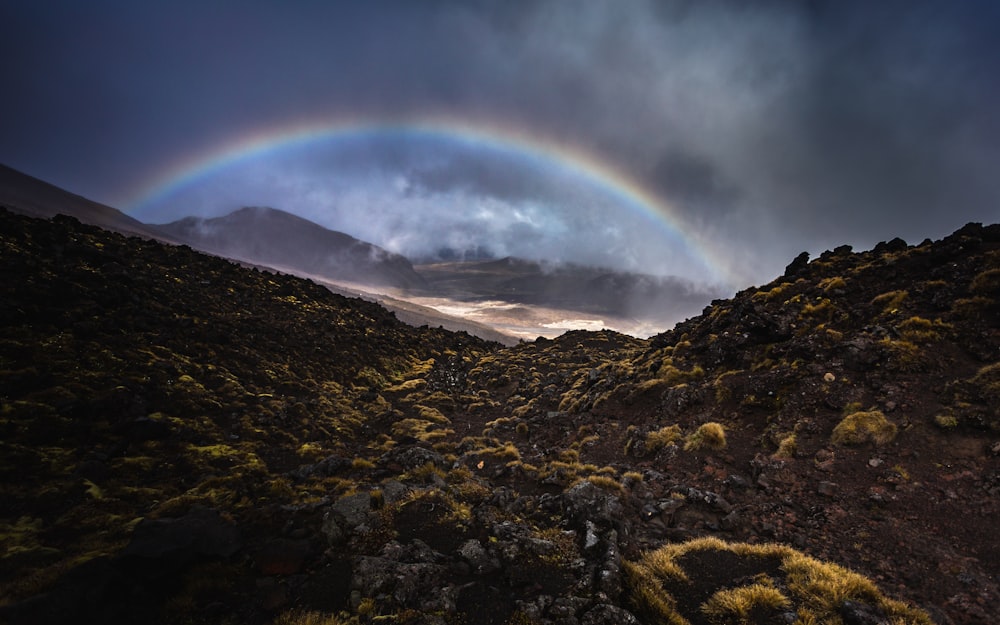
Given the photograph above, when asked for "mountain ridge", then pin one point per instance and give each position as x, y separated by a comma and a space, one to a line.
35, 197
536, 298
254, 234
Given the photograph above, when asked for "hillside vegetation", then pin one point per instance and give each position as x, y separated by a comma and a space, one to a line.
188, 441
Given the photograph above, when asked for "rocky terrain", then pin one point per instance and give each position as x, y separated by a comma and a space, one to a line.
31, 196
185, 440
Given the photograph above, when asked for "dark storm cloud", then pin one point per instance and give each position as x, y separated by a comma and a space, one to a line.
771, 126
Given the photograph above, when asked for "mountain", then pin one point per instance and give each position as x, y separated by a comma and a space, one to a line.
188, 440
512, 299
278, 239
28, 195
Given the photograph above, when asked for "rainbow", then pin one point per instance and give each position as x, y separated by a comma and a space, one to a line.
618, 184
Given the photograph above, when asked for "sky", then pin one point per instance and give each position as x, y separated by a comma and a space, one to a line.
709, 139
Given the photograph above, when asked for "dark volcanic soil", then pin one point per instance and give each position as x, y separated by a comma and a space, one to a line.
185, 440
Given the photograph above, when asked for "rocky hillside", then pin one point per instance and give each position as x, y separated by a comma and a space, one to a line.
185, 440
29, 195
272, 237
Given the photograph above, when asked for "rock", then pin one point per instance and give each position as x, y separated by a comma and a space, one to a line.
344, 515
473, 552
414, 552
412, 457
797, 265
407, 585
335, 530
607, 614
175, 542
329, 466
737, 482
895, 245
732, 521
827, 489
609, 571
565, 609
824, 460
393, 491
856, 613
587, 501
355, 509
590, 539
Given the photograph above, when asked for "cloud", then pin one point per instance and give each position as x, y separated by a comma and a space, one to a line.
770, 126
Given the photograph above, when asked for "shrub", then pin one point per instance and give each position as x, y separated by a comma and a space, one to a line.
986, 283
890, 301
302, 617
862, 427
945, 421
920, 330
606, 483
740, 603
787, 447
828, 284
903, 355
711, 435
794, 583
658, 439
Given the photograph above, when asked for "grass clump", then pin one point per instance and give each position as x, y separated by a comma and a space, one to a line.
786, 447
890, 301
986, 283
946, 421
739, 604
606, 483
709, 435
658, 439
920, 330
863, 427
829, 284
301, 617
678, 584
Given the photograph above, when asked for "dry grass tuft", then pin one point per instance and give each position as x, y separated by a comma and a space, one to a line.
658, 439
812, 590
862, 427
709, 435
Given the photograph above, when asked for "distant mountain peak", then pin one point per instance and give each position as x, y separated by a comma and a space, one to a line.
274, 237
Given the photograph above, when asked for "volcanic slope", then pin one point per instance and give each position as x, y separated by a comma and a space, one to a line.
185, 440
278, 239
